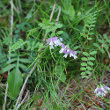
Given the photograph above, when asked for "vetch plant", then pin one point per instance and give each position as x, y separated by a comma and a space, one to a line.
64, 49
54, 42
87, 63
67, 51
88, 29
103, 43
101, 90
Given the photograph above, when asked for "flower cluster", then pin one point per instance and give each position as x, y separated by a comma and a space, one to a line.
102, 90
54, 42
67, 51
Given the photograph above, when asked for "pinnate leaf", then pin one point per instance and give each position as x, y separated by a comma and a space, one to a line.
91, 58
105, 46
85, 53
89, 68
90, 63
83, 68
84, 59
7, 68
88, 72
96, 45
83, 64
83, 73
93, 53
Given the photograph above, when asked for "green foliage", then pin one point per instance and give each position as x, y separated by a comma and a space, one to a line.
31, 32
80, 21
17, 61
59, 72
68, 10
15, 81
20, 30
50, 28
32, 45
87, 63
103, 43
3, 57
89, 25
19, 44
16, 65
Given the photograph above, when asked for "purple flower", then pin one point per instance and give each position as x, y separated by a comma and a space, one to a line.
67, 51
101, 91
54, 42
73, 54
107, 88
62, 49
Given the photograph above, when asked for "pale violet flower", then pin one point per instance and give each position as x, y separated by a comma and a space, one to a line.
54, 42
101, 90
67, 51
62, 49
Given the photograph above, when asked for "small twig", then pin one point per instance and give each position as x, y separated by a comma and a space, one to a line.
65, 71
24, 85
51, 16
11, 34
24, 99
6, 91
6, 94
26, 96
57, 19
83, 106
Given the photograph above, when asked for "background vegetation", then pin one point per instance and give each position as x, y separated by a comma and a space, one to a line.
35, 77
